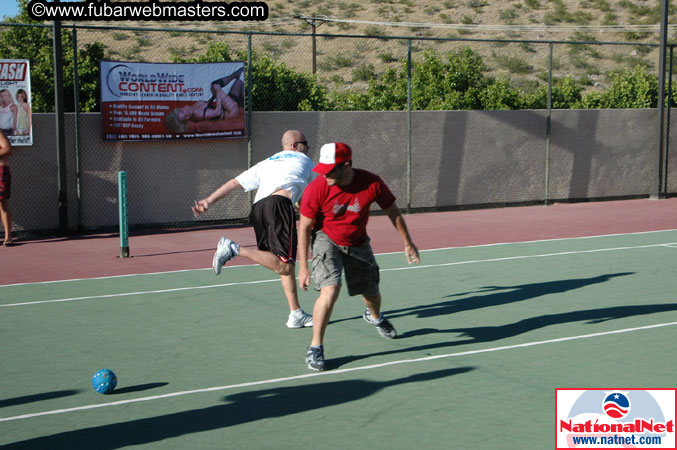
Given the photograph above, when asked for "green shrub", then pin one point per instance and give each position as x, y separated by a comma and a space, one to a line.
387, 57
119, 36
501, 95
629, 89
364, 72
507, 14
514, 64
373, 30
337, 61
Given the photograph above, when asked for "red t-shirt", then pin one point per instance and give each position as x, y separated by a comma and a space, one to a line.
342, 212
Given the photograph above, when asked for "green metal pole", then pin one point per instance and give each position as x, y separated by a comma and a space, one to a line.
656, 192
122, 202
62, 170
314, 47
667, 123
250, 86
547, 131
409, 127
76, 101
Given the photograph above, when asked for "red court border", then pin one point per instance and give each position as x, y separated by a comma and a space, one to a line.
98, 255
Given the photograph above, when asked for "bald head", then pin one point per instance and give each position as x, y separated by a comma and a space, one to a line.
292, 140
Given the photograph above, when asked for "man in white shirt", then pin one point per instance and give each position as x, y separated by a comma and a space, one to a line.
280, 181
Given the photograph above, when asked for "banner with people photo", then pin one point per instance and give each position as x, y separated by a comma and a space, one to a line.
16, 119
149, 101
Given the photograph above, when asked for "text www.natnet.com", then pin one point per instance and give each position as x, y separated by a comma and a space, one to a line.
616, 440
149, 10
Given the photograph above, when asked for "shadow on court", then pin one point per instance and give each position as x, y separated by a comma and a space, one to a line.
178, 252
241, 408
497, 333
592, 316
37, 397
491, 334
138, 388
508, 294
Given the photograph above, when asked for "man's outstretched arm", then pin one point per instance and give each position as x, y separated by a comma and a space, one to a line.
410, 250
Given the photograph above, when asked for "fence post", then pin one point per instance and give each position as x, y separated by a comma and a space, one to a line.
657, 191
122, 204
314, 48
60, 138
409, 126
249, 87
667, 124
76, 108
547, 130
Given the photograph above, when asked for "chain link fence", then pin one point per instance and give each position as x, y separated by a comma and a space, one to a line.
436, 156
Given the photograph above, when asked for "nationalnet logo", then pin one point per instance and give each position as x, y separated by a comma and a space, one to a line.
615, 418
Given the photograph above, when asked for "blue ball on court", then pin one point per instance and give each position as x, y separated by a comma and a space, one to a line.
104, 381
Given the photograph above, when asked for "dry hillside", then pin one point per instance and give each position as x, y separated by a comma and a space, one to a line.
346, 63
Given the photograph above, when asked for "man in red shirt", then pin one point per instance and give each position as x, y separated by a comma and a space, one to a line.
334, 215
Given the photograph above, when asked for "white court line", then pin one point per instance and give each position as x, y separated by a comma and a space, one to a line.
127, 294
427, 266
386, 253
544, 240
333, 372
544, 255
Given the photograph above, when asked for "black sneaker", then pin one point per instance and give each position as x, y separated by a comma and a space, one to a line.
384, 328
315, 358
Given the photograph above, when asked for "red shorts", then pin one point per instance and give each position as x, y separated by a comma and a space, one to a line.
5, 182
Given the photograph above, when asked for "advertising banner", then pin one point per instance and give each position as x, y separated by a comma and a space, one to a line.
148, 101
16, 119
615, 418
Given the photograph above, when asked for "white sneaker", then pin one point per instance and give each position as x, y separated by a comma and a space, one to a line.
299, 319
225, 251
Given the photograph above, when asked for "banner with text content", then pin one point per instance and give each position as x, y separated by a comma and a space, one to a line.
16, 118
149, 101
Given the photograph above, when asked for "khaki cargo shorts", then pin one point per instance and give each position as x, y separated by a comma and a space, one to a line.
358, 262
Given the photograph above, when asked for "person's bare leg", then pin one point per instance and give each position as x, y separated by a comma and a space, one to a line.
6, 217
287, 278
384, 327
267, 260
373, 304
324, 305
290, 291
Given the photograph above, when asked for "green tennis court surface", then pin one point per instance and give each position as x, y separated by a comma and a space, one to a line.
486, 334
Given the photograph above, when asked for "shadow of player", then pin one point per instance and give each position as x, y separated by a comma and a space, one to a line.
244, 407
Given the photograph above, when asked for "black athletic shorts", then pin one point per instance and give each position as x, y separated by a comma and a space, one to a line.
274, 222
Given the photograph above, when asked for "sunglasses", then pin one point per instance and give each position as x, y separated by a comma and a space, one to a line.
335, 171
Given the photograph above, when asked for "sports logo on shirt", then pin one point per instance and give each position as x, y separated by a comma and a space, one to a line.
340, 209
